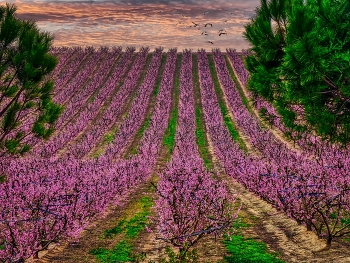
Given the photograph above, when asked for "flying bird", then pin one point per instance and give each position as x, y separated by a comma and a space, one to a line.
195, 24
208, 24
205, 13
205, 33
222, 33
210, 42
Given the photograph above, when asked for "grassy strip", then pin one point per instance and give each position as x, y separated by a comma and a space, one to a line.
247, 250
201, 138
228, 122
147, 121
169, 135
140, 133
123, 251
239, 88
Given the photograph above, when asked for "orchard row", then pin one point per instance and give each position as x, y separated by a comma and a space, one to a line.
62, 184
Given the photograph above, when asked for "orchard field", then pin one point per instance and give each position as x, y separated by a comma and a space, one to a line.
157, 146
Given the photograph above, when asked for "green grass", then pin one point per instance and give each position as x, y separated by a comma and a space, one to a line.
120, 253
228, 122
156, 90
247, 250
98, 153
115, 230
200, 130
123, 251
91, 99
169, 136
140, 133
2, 178
109, 137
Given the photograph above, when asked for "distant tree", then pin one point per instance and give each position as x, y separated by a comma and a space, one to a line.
26, 106
304, 61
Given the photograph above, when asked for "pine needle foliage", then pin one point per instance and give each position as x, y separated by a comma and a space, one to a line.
300, 56
24, 62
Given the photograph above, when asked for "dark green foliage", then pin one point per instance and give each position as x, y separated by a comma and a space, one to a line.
266, 32
24, 62
301, 56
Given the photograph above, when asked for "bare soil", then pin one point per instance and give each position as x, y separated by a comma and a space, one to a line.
284, 235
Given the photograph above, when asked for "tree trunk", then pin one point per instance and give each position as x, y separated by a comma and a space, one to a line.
329, 241
308, 226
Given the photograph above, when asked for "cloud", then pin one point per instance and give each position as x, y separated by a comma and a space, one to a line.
153, 23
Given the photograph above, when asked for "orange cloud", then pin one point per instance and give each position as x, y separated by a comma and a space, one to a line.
120, 24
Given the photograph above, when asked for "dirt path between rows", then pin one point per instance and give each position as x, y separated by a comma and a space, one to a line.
284, 235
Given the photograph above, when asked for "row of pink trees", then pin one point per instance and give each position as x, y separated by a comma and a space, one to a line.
46, 199
87, 114
322, 151
305, 189
77, 90
190, 202
82, 146
136, 114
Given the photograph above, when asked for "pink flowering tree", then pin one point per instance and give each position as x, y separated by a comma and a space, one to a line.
190, 205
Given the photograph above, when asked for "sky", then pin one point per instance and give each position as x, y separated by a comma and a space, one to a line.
164, 23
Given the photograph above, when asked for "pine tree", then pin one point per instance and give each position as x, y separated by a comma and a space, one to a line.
267, 34
24, 62
310, 66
